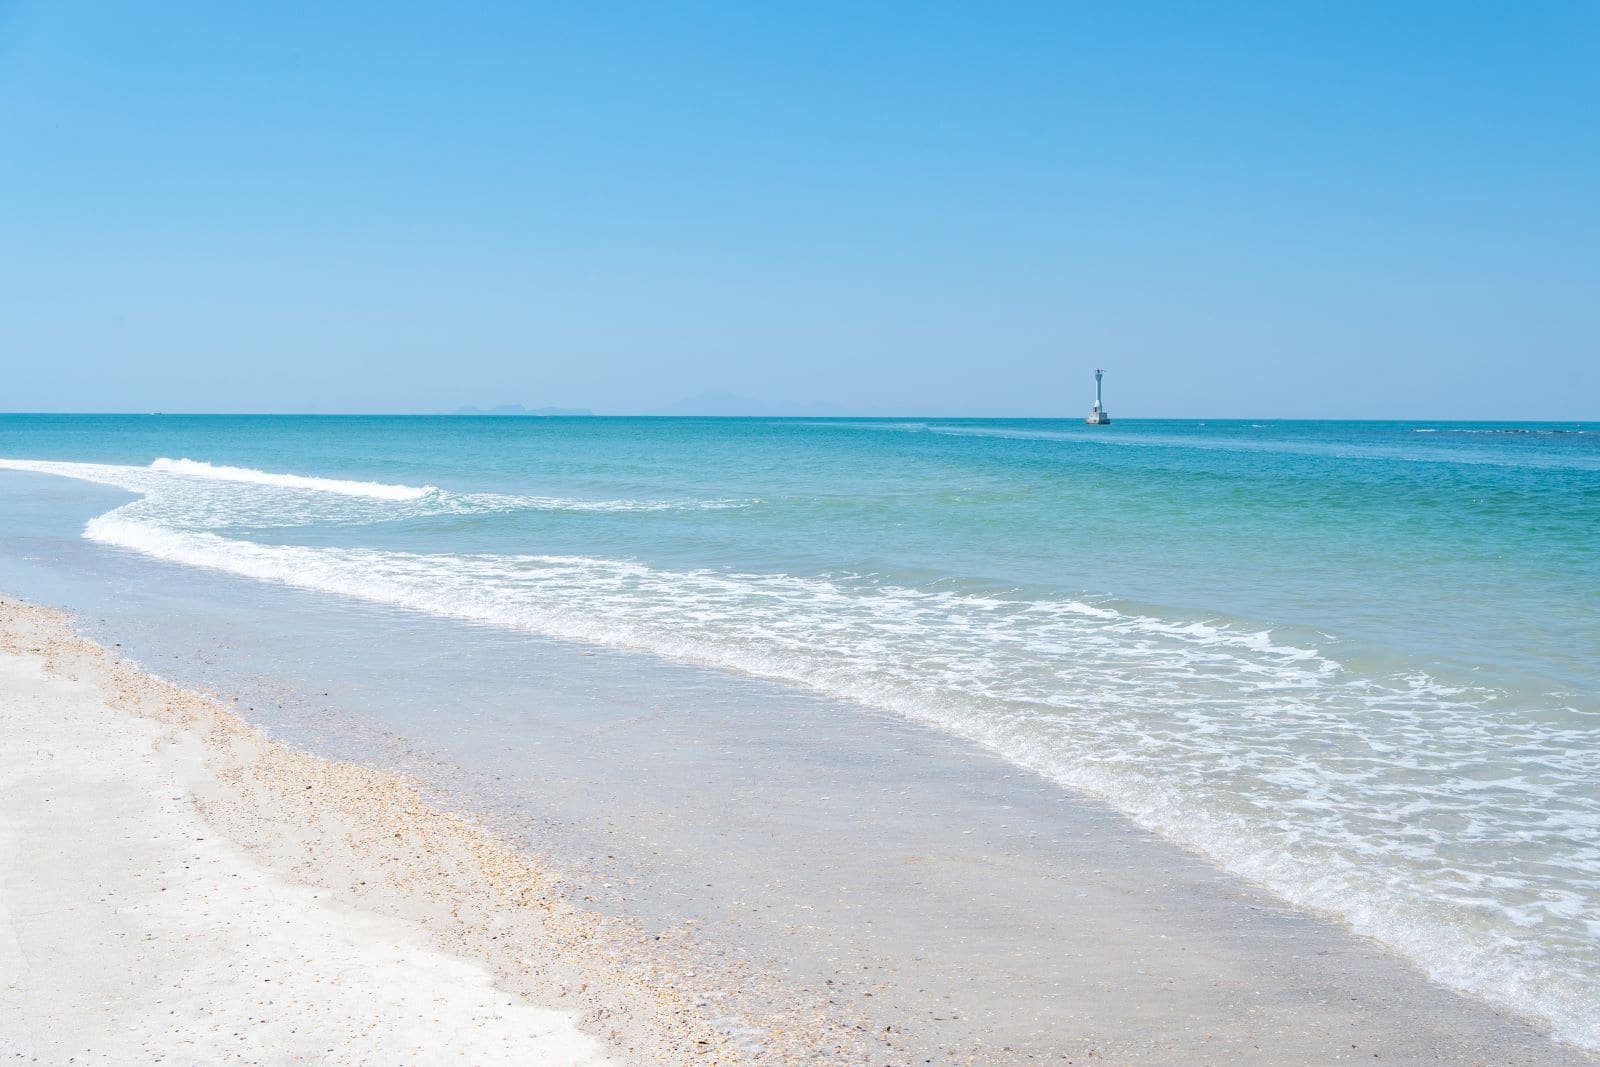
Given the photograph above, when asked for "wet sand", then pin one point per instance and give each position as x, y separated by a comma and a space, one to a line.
810, 886
176, 886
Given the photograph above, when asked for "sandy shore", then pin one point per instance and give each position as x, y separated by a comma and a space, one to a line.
177, 886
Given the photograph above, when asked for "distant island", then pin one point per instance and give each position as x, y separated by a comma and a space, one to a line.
518, 409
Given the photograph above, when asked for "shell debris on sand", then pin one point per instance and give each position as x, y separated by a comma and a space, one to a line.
369, 842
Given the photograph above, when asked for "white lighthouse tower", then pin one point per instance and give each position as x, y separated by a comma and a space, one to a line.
1098, 416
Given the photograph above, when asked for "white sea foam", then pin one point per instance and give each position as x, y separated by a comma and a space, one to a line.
480, 503
321, 500
1415, 809
137, 479
441, 502
1340, 792
191, 468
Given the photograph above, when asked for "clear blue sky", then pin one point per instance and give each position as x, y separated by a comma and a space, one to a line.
1275, 209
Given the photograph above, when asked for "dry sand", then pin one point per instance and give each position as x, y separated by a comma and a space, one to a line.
175, 886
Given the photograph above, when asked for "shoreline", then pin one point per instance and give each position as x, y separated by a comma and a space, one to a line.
370, 844
397, 895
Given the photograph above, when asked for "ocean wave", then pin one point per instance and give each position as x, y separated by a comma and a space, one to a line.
440, 501
1340, 787
1268, 756
191, 468
301, 498
479, 503
136, 479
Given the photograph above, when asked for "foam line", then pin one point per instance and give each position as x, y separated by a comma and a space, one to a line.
198, 469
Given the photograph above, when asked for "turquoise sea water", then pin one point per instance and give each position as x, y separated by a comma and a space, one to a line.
1356, 662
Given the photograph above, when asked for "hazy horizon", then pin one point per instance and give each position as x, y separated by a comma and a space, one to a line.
818, 412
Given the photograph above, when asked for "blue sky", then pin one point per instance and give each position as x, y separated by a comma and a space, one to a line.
1276, 209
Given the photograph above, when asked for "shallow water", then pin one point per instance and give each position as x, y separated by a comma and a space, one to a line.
1358, 663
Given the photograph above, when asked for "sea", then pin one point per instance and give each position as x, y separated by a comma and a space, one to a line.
1356, 663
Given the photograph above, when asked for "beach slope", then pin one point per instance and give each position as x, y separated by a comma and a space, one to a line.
132, 930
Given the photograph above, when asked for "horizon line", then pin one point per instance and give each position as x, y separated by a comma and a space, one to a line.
517, 416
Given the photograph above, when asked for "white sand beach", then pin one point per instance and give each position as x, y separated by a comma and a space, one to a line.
132, 930
175, 886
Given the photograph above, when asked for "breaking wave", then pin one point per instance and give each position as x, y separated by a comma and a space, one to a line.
1341, 787
191, 468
